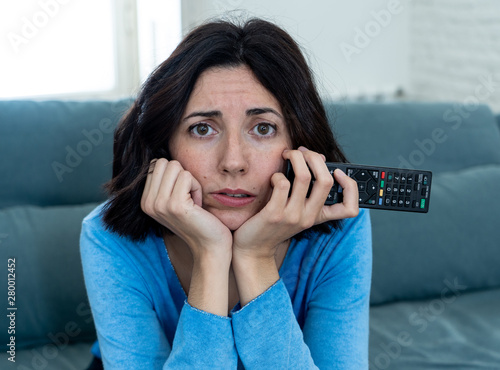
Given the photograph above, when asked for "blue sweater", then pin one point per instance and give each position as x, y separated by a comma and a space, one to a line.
314, 316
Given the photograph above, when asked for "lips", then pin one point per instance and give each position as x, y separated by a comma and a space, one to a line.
233, 197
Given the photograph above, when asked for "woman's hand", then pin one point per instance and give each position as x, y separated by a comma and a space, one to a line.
173, 197
285, 216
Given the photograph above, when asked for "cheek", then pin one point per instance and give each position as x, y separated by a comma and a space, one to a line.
193, 161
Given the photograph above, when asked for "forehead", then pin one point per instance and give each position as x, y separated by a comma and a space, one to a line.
228, 86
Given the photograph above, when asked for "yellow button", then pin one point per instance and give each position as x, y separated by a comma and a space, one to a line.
381, 193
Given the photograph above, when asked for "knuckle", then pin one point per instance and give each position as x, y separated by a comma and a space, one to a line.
352, 212
294, 218
276, 218
307, 223
325, 181
303, 177
282, 184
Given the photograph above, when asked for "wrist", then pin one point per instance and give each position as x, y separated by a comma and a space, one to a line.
253, 275
208, 290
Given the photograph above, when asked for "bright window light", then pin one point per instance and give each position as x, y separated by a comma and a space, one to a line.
55, 47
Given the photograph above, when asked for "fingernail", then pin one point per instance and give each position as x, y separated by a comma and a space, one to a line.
302, 148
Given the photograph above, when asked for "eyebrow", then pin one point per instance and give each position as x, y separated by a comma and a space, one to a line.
217, 113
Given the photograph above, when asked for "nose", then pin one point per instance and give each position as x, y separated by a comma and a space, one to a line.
234, 155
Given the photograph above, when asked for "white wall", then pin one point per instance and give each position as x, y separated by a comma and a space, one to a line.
357, 48
455, 51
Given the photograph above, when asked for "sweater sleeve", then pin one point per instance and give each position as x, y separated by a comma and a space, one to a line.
335, 330
267, 334
129, 332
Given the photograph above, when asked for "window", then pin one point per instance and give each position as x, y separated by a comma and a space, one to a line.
83, 48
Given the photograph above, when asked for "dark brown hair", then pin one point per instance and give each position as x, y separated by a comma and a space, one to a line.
146, 129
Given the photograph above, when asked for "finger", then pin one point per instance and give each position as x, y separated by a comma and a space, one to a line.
279, 196
187, 188
303, 176
164, 181
323, 180
152, 185
147, 185
350, 204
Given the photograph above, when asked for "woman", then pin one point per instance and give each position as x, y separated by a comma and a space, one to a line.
203, 257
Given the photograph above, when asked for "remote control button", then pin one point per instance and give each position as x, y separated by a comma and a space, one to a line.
397, 177
371, 187
363, 197
408, 190
416, 204
426, 179
390, 176
362, 175
407, 202
382, 176
394, 201
401, 202
402, 190
403, 178
381, 193
374, 174
361, 187
379, 201
420, 177
381, 184
425, 191
372, 200
388, 190
422, 203
387, 201
409, 178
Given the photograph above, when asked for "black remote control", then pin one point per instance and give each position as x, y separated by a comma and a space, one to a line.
390, 188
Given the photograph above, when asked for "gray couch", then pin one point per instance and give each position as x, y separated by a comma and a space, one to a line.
436, 276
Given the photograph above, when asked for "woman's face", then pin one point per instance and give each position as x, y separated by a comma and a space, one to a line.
231, 139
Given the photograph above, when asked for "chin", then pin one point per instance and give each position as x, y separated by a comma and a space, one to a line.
233, 225
232, 220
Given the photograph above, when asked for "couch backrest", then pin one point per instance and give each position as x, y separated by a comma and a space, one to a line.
54, 152
455, 245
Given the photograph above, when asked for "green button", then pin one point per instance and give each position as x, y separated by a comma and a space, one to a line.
382, 184
422, 203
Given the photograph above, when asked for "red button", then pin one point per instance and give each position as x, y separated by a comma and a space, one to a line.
383, 174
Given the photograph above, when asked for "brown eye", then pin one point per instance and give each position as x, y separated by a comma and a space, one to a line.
264, 129
201, 129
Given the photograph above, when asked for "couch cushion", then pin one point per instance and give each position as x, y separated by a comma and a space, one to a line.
52, 356
56, 152
416, 255
49, 288
459, 331
438, 137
